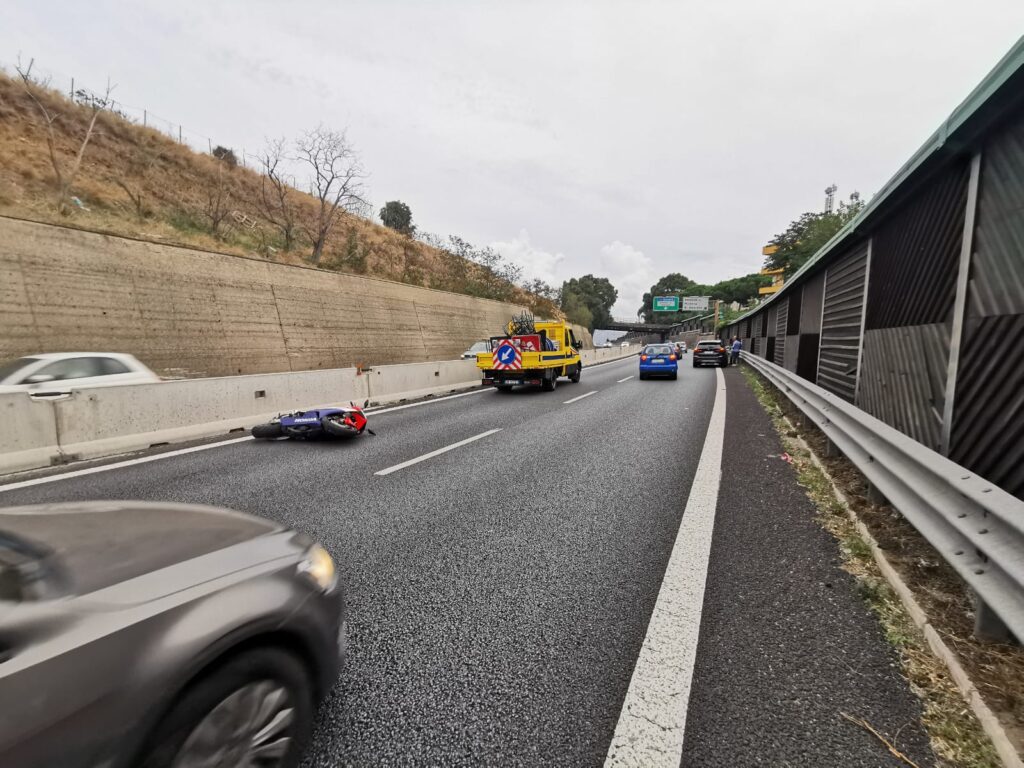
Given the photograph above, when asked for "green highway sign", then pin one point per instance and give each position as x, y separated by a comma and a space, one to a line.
666, 303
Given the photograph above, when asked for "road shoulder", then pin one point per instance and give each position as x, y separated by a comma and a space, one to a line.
787, 646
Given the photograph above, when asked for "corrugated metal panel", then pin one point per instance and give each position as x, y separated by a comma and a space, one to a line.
807, 356
997, 267
770, 324
810, 305
916, 255
903, 379
988, 424
792, 353
841, 322
988, 416
781, 320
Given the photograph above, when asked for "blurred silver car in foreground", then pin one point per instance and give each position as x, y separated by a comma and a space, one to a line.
140, 634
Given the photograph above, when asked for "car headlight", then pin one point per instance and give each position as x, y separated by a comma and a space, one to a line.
318, 566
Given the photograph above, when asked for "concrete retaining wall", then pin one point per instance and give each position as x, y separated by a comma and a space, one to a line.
186, 312
111, 420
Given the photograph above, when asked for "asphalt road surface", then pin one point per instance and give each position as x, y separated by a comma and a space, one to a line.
500, 591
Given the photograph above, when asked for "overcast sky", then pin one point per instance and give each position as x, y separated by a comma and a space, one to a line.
623, 139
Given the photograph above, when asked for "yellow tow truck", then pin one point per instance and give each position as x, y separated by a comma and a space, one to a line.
532, 359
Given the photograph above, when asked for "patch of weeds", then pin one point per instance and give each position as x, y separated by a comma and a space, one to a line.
186, 221
956, 736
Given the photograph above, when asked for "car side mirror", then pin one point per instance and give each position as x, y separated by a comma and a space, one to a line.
39, 378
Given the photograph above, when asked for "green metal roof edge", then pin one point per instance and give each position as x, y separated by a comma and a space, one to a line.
985, 90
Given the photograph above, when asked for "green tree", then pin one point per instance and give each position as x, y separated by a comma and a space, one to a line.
597, 294
741, 289
808, 233
576, 310
396, 215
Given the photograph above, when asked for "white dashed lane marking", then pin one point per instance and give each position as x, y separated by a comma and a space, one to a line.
438, 452
580, 397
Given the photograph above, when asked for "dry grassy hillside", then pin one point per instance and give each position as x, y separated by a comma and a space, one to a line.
138, 182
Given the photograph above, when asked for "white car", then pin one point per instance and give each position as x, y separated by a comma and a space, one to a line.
480, 346
624, 344
64, 371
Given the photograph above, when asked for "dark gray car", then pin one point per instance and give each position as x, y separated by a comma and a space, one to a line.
710, 353
138, 634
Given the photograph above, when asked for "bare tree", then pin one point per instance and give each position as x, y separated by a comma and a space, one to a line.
141, 161
337, 181
64, 171
277, 196
216, 204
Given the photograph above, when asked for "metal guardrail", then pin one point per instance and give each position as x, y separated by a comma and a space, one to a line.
975, 526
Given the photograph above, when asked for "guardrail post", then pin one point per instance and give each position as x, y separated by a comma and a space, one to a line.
830, 449
874, 495
988, 626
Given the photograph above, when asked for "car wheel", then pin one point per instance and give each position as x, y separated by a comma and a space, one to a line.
575, 376
255, 709
267, 431
549, 384
675, 375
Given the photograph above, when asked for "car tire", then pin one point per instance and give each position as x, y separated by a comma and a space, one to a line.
267, 431
503, 387
675, 375
574, 377
267, 674
642, 376
550, 383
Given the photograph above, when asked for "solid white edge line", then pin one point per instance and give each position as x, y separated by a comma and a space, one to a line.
119, 464
438, 452
580, 397
652, 722
625, 379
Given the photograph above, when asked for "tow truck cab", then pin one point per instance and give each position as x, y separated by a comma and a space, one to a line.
536, 359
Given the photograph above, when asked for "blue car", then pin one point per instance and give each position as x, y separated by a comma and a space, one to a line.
659, 360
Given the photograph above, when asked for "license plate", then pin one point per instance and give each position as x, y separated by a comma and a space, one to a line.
657, 361
511, 381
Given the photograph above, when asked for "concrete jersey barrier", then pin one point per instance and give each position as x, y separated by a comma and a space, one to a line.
110, 420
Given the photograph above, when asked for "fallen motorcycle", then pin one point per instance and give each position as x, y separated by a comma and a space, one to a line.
345, 421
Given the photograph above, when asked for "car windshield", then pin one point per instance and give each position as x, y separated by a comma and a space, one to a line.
659, 349
12, 366
710, 344
480, 346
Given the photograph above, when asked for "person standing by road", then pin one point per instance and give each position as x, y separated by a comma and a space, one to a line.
737, 345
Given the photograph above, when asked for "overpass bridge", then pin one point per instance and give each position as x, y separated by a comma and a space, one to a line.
663, 331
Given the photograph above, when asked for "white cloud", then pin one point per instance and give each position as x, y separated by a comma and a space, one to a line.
536, 262
630, 271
